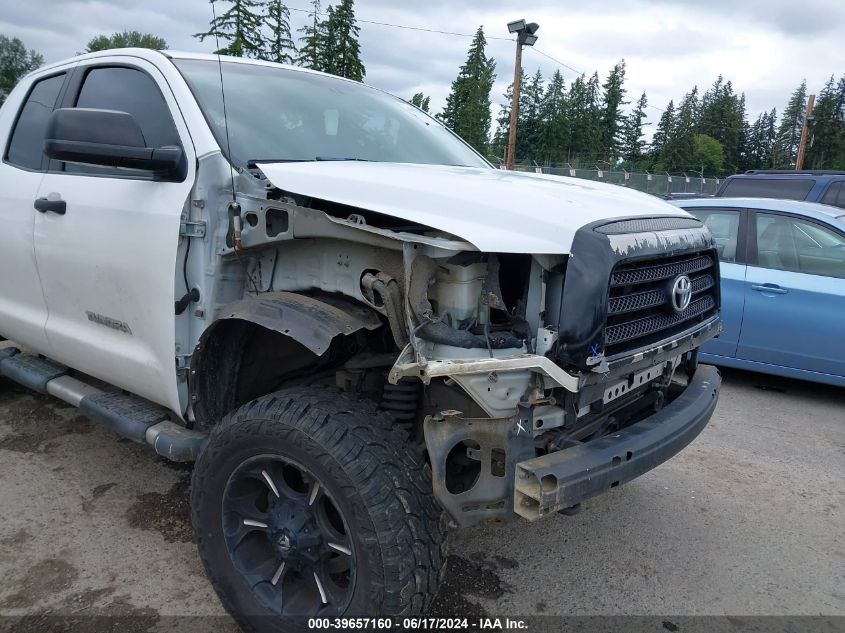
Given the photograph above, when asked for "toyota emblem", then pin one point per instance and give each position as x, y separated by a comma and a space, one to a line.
681, 293
284, 542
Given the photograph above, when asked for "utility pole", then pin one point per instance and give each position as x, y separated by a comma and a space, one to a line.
524, 37
805, 132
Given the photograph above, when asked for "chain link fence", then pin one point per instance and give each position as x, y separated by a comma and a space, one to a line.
657, 184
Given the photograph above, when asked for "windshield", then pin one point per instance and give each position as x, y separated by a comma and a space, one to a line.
278, 114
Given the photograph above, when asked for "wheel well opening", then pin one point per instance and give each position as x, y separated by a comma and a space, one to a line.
241, 361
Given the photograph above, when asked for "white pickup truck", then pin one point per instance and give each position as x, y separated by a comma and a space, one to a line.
360, 330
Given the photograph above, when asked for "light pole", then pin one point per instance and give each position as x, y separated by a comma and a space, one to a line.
524, 37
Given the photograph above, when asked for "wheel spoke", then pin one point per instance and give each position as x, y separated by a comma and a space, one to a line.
320, 588
340, 548
315, 489
270, 483
278, 575
330, 592
254, 523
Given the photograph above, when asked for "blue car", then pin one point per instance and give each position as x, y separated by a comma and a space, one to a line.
783, 286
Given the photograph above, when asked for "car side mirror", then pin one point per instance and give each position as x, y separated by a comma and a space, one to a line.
109, 138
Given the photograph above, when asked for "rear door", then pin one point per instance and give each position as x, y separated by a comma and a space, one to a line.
23, 310
795, 294
728, 227
108, 263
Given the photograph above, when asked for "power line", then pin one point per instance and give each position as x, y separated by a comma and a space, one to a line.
411, 28
453, 33
575, 70
557, 61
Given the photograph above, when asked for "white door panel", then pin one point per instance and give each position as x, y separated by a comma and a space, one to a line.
108, 265
23, 120
113, 255
23, 312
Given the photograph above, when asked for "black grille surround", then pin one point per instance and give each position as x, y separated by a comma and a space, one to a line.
639, 309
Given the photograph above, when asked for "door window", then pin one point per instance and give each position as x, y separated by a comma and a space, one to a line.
788, 243
835, 195
127, 90
26, 147
724, 226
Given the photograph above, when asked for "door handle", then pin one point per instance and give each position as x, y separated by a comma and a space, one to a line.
56, 206
773, 288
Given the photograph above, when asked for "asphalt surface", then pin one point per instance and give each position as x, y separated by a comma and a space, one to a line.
749, 519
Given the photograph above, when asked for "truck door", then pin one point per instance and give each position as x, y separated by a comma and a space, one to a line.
795, 295
108, 262
23, 311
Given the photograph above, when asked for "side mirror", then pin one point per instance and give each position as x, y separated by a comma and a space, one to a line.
110, 139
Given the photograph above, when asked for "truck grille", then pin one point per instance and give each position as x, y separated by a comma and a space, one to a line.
639, 309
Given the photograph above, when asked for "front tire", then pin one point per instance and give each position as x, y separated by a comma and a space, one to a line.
310, 504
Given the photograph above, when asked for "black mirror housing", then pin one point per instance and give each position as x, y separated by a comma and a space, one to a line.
109, 138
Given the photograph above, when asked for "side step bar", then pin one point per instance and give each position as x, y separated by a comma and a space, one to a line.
127, 415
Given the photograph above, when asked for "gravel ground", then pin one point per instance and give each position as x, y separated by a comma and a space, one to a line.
747, 520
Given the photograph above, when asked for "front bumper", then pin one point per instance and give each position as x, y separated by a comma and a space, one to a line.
563, 479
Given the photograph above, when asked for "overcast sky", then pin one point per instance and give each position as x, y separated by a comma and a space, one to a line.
766, 47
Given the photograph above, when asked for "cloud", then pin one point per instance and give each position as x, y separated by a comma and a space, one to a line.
766, 47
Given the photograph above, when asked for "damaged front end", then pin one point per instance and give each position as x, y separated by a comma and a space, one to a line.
534, 380
585, 347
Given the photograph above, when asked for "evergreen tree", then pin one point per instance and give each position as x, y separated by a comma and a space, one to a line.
555, 122
499, 144
530, 124
341, 48
280, 45
467, 110
15, 62
126, 39
633, 145
661, 135
827, 149
613, 99
677, 152
722, 117
585, 119
312, 51
240, 27
421, 101
789, 130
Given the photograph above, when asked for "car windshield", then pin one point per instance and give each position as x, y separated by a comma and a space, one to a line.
278, 114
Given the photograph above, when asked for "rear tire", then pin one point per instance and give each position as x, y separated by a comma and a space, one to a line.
350, 526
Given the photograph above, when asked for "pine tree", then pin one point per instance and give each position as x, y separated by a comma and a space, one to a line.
633, 146
467, 110
679, 147
789, 130
661, 134
342, 50
530, 124
827, 147
312, 51
613, 99
722, 117
592, 120
499, 144
421, 101
280, 45
554, 115
239, 26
